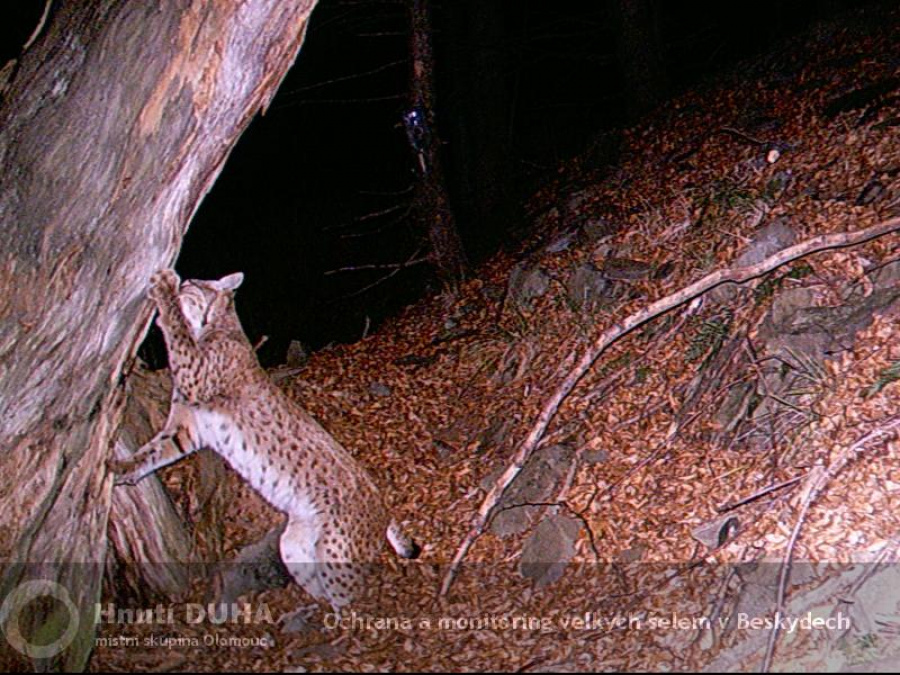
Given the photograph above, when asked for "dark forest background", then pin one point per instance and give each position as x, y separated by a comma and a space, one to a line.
520, 88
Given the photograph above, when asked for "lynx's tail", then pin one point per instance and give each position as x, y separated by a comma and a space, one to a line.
403, 545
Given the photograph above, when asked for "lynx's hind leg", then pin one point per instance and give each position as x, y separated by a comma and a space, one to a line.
343, 564
298, 552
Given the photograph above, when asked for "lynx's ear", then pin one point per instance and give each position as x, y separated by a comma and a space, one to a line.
229, 283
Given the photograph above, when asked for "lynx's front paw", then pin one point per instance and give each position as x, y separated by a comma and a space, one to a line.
164, 285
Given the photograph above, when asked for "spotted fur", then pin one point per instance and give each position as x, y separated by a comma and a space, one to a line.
222, 399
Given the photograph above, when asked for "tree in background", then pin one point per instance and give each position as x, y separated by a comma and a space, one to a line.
639, 49
481, 61
431, 202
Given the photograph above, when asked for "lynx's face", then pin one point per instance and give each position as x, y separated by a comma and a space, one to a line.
203, 302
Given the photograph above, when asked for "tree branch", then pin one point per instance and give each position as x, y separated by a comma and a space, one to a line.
380, 266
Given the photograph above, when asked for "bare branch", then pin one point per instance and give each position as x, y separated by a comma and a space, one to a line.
384, 278
379, 266
345, 78
40, 26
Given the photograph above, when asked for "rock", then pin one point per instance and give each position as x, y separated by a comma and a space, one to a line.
579, 198
537, 483
796, 331
595, 456
256, 567
633, 554
716, 533
443, 449
801, 336
561, 242
297, 354
664, 271
379, 389
871, 192
495, 435
774, 237
861, 647
549, 549
626, 269
887, 276
299, 620
786, 305
527, 283
588, 287
780, 182
796, 338
597, 228
734, 409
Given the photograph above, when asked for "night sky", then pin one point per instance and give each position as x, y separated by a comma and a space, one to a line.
331, 149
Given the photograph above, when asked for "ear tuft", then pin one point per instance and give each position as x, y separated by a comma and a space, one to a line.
229, 283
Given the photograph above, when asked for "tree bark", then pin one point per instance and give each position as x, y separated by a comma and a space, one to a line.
148, 538
112, 129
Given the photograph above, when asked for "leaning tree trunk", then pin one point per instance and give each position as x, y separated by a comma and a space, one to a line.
113, 128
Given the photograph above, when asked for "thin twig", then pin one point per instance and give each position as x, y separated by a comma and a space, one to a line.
379, 214
345, 78
379, 266
40, 26
619, 330
741, 134
757, 495
382, 279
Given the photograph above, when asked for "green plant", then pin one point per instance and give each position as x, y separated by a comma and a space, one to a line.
641, 374
709, 337
621, 361
768, 287
885, 377
722, 197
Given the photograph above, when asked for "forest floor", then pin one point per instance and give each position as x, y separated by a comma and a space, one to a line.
438, 401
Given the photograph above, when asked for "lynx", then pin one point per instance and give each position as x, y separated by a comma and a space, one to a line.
222, 399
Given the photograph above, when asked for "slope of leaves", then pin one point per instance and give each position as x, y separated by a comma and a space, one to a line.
467, 376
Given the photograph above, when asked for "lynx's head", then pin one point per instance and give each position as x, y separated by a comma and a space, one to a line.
209, 304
